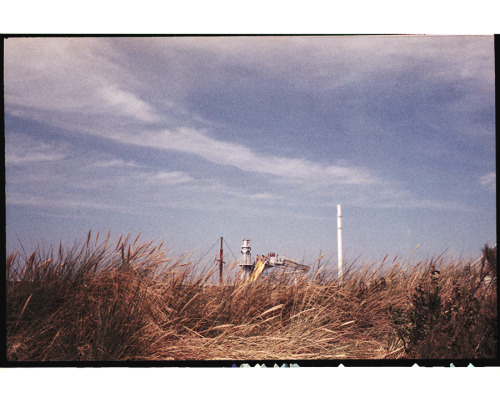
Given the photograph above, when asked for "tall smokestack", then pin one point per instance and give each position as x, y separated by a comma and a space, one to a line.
339, 240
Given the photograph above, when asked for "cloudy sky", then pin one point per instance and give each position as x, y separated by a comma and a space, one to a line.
186, 139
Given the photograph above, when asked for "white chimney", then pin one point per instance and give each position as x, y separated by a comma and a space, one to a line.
339, 240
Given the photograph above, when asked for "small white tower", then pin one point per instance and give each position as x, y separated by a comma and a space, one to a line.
246, 251
246, 260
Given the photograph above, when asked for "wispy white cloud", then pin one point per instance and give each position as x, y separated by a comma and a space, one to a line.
21, 149
290, 170
393, 196
170, 178
113, 163
34, 157
489, 181
323, 63
127, 190
239, 193
114, 99
427, 204
263, 196
70, 75
57, 202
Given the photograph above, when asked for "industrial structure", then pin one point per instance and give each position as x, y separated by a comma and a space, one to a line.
252, 270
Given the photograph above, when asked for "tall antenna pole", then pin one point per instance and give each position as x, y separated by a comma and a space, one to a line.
220, 263
339, 240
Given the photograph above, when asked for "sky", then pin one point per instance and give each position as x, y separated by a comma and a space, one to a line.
187, 139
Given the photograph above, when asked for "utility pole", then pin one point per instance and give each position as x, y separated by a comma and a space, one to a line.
220, 263
339, 240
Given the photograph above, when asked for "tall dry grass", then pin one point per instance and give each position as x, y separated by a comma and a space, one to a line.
130, 301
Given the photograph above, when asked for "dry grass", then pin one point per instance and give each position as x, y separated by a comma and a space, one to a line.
130, 301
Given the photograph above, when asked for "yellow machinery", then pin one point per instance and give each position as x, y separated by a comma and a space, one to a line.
258, 269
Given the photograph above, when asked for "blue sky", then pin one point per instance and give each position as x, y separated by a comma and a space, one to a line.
191, 138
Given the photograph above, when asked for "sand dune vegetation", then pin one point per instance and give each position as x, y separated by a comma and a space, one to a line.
130, 301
